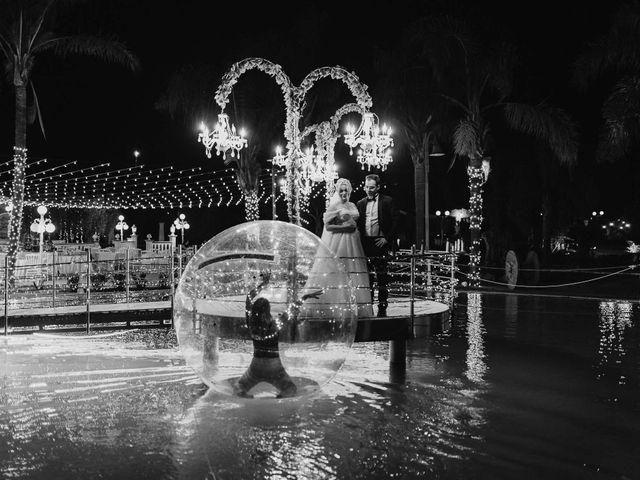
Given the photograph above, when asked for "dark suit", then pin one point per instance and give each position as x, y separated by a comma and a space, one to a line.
377, 257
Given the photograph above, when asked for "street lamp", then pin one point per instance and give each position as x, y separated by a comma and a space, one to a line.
182, 225
441, 216
121, 227
136, 154
41, 225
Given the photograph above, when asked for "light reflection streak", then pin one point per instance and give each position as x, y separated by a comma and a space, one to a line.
476, 367
511, 316
615, 319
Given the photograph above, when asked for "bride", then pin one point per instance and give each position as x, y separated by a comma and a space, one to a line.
341, 235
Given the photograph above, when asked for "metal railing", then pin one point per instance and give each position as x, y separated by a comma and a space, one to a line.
419, 275
99, 277
93, 277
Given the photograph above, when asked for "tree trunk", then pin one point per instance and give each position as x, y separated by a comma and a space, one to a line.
420, 191
476, 179
251, 205
20, 163
546, 230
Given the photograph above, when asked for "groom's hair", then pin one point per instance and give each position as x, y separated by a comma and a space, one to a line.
374, 177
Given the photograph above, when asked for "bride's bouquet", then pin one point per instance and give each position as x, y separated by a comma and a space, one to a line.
338, 221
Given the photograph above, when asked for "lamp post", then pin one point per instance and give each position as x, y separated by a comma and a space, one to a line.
441, 216
41, 225
172, 236
136, 155
121, 227
182, 225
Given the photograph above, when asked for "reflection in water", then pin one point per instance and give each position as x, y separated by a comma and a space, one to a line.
476, 367
511, 316
615, 319
109, 410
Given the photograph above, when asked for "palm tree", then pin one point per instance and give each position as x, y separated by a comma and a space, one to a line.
28, 31
610, 68
612, 63
407, 92
478, 85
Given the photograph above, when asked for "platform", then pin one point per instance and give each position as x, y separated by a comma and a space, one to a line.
429, 317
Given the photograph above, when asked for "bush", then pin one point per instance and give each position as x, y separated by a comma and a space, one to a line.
140, 279
72, 282
98, 280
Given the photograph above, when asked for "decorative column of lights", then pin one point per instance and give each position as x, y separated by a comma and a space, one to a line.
122, 227
182, 225
223, 137
278, 160
8, 209
41, 225
318, 163
294, 102
374, 142
476, 180
230, 78
17, 200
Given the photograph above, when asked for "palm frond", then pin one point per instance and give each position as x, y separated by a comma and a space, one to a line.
190, 94
103, 48
37, 26
500, 69
466, 139
616, 51
621, 114
549, 124
36, 105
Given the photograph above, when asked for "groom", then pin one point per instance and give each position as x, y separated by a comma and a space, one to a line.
377, 224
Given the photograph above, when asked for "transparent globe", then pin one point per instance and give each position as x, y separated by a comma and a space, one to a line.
265, 309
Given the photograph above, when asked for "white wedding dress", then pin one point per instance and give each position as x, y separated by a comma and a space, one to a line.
348, 247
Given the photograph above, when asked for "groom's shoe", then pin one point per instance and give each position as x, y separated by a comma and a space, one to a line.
382, 311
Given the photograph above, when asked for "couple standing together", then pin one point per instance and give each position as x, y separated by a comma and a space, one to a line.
362, 236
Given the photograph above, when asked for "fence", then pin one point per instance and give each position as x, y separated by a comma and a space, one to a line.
51, 279
94, 277
431, 275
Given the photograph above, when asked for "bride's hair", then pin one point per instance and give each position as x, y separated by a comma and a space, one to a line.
335, 198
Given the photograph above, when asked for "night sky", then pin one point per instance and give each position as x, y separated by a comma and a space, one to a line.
98, 113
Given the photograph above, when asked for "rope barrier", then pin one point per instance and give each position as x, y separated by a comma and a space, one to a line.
560, 284
520, 269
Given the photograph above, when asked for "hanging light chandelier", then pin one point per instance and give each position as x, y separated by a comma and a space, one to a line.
223, 137
374, 142
313, 165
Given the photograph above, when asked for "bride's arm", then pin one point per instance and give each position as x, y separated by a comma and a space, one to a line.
353, 211
330, 215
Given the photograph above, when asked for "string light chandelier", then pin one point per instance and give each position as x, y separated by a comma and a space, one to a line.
279, 159
373, 142
223, 137
314, 165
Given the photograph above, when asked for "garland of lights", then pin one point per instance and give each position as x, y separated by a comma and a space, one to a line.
476, 179
17, 200
157, 188
251, 202
294, 101
319, 167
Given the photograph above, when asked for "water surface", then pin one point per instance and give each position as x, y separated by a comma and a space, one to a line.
519, 387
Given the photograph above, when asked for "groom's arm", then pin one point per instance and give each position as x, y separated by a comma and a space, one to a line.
361, 206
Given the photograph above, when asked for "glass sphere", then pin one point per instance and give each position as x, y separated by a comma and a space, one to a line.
265, 309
